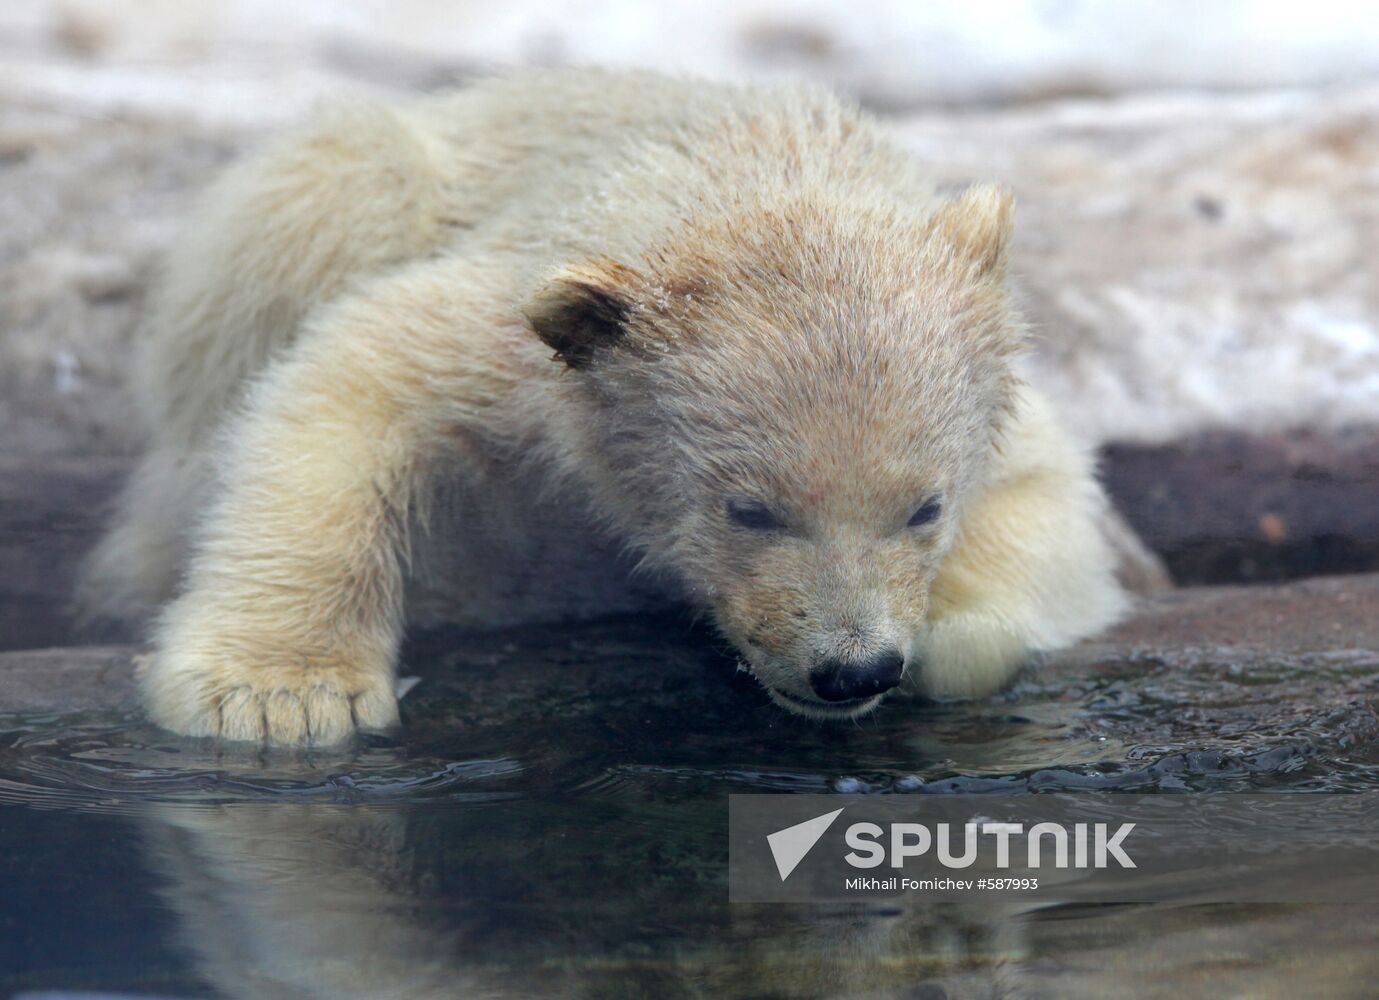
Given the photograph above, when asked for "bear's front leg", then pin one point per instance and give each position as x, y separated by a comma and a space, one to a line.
288, 628
1031, 568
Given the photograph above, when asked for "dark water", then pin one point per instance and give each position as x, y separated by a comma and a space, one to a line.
552, 822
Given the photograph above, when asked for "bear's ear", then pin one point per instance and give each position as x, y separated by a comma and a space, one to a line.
583, 309
977, 224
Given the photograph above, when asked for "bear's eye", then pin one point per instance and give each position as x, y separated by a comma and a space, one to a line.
752, 514
928, 513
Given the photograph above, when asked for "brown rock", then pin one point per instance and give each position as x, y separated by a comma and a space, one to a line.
1229, 506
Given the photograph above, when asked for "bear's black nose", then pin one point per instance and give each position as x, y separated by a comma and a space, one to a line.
842, 680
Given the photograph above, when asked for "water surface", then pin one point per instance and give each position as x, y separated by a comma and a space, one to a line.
552, 821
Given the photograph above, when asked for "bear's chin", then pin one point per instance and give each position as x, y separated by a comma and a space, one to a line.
815, 708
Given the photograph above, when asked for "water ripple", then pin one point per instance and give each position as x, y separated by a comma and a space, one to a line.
114, 768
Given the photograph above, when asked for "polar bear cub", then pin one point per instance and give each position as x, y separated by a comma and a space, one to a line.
733, 331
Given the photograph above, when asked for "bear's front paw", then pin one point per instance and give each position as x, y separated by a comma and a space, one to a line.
254, 700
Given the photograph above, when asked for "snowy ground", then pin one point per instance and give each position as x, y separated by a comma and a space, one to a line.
1192, 259
894, 53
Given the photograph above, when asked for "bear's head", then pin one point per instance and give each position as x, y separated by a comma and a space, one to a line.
790, 406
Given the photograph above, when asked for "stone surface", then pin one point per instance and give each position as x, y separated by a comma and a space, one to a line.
1322, 620
1319, 615
51, 510
1233, 506
77, 679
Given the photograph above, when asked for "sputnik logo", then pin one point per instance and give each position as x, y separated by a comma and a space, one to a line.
789, 846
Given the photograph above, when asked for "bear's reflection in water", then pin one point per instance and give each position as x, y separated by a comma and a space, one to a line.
579, 849
504, 899
507, 897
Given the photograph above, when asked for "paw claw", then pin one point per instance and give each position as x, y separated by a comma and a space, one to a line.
376, 710
271, 707
241, 716
328, 715
285, 719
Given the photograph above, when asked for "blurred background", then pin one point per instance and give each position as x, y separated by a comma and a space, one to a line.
1197, 225
252, 60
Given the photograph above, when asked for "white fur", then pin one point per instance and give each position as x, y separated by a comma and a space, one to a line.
357, 313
